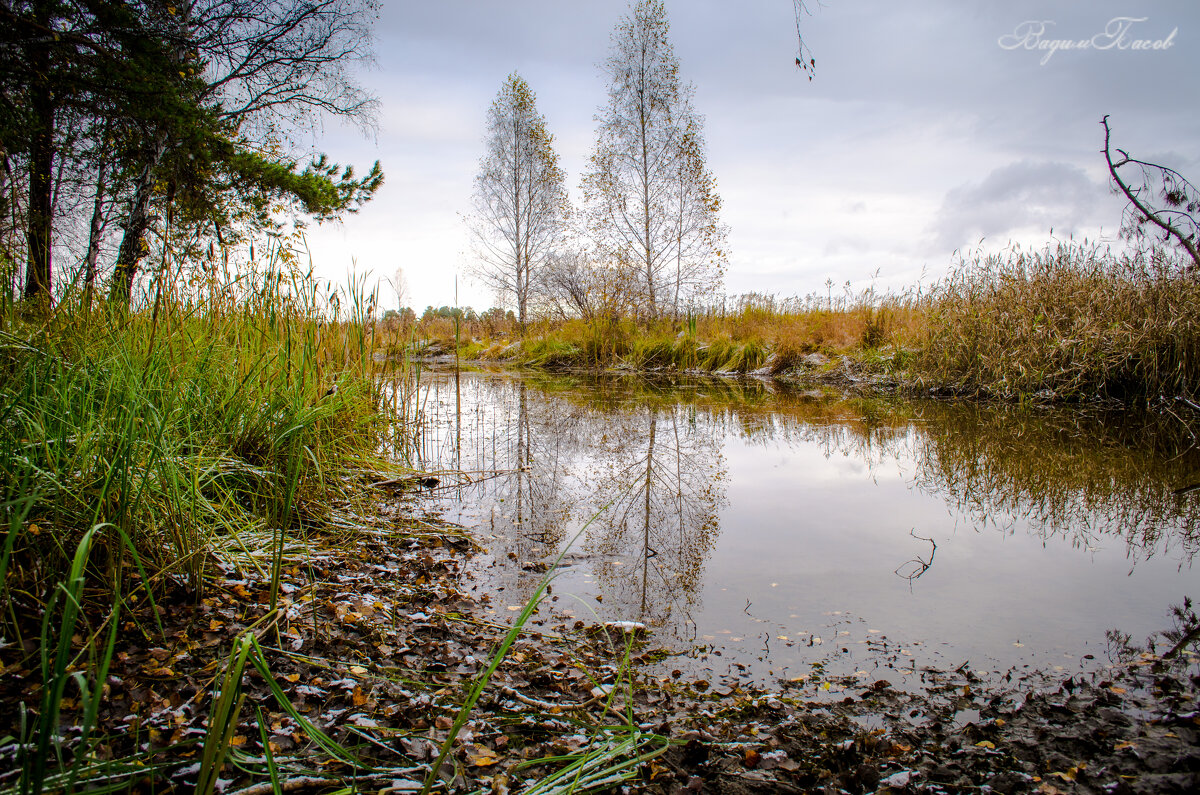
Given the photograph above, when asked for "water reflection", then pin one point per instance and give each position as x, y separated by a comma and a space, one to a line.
1074, 473
537, 494
697, 498
641, 481
517, 455
658, 473
1077, 475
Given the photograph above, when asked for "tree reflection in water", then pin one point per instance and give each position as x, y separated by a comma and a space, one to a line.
661, 473
650, 475
518, 454
652, 451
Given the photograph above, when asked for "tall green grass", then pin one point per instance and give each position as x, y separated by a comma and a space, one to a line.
212, 420
183, 426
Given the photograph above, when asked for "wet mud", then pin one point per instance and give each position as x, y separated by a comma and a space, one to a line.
377, 643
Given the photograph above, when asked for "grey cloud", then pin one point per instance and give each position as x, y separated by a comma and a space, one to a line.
910, 100
1041, 195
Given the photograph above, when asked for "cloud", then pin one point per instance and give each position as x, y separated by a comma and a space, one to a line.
1021, 197
867, 167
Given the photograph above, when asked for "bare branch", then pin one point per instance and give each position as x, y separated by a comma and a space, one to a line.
804, 57
1179, 226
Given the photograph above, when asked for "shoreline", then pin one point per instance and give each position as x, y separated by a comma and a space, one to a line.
380, 640
849, 375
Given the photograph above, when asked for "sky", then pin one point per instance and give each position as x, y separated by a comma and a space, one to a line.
931, 127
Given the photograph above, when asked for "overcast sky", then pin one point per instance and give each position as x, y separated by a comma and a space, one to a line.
929, 127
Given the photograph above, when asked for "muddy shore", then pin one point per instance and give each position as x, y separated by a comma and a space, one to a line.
376, 645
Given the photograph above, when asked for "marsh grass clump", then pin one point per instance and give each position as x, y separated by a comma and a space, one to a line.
651, 351
875, 327
550, 352
724, 355
205, 416
212, 422
1073, 321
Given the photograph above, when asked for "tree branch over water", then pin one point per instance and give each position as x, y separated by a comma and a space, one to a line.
804, 57
1176, 219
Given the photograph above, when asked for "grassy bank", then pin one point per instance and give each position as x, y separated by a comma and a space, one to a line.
1068, 322
755, 333
180, 428
144, 452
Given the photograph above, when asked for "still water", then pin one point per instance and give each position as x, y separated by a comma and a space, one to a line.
758, 530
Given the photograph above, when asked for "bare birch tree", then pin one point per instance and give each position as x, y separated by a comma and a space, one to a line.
520, 198
650, 198
698, 237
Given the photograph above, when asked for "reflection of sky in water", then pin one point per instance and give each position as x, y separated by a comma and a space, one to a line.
814, 513
834, 542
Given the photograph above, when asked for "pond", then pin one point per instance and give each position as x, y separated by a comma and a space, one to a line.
760, 530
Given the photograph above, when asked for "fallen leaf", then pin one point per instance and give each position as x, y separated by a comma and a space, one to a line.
482, 756
1069, 775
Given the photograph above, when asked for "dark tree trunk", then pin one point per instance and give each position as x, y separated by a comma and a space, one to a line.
133, 242
94, 233
41, 166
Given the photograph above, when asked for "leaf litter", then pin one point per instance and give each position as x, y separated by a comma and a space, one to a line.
379, 634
